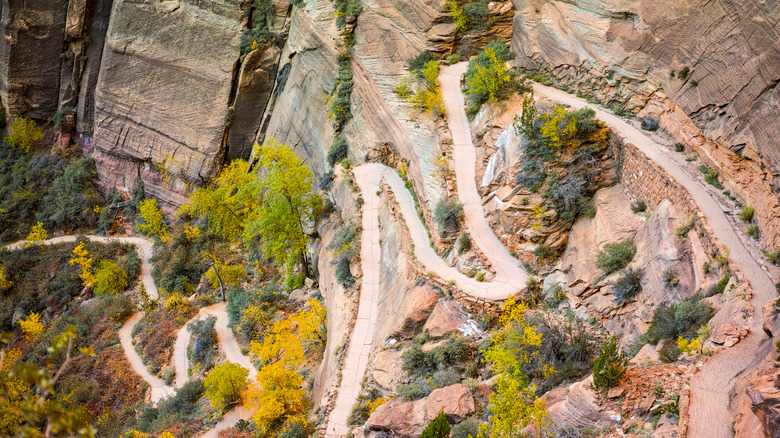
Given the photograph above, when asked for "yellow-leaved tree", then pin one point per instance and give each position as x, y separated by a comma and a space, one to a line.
24, 134
151, 221
110, 278
229, 203
278, 395
514, 405
288, 339
490, 79
37, 234
32, 327
82, 258
5, 282
225, 383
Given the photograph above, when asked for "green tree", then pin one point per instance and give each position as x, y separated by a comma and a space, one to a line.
110, 278
24, 134
438, 428
488, 81
225, 383
151, 220
288, 206
229, 203
514, 405
610, 365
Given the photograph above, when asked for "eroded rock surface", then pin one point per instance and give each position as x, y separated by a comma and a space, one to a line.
408, 419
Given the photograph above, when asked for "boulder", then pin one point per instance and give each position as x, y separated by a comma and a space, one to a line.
416, 308
763, 391
577, 407
408, 419
448, 318
727, 334
387, 369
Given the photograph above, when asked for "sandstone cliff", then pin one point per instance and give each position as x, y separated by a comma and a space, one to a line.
710, 70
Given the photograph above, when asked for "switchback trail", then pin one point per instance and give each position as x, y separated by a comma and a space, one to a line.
227, 341
710, 387
510, 276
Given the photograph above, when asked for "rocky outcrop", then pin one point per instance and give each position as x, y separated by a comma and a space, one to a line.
763, 391
164, 86
709, 69
33, 34
408, 419
447, 318
658, 249
577, 406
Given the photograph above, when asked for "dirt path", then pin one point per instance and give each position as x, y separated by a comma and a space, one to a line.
710, 387
227, 341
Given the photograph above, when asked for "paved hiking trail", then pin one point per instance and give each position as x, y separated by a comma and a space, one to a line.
227, 341
510, 276
710, 387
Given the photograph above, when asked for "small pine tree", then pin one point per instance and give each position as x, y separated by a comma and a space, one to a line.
609, 366
438, 428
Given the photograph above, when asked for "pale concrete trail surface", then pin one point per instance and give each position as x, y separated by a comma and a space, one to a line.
143, 246
159, 389
710, 387
508, 268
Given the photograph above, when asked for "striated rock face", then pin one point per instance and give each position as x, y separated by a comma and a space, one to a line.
408, 419
623, 53
164, 85
33, 34
763, 392
577, 406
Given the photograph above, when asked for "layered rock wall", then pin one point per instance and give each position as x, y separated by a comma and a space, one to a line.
709, 69
163, 89
33, 35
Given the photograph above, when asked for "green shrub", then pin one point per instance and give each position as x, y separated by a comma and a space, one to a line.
544, 252
610, 365
414, 391
297, 428
454, 58
204, 343
627, 286
670, 277
772, 256
683, 74
673, 320
422, 59
467, 428
438, 428
464, 243
110, 278
719, 287
616, 256
587, 208
448, 214
746, 213
480, 276
555, 295
670, 352
72, 198
338, 150
679, 147
753, 231
478, 14
683, 230
639, 207
650, 124
445, 377
711, 176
